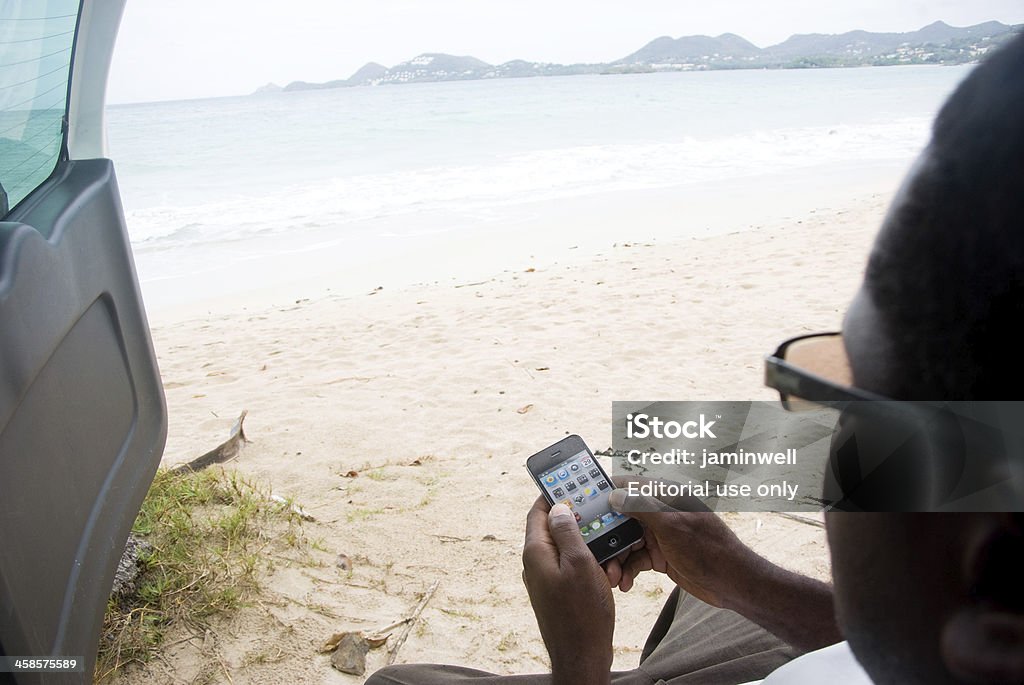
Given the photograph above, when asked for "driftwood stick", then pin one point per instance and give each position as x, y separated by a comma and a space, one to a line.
392, 626
228, 449
411, 621
801, 519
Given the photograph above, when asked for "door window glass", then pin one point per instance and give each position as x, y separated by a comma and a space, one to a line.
36, 38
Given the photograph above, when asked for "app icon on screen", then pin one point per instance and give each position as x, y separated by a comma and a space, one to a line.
587, 461
585, 531
567, 502
595, 524
594, 473
590, 492
563, 474
607, 519
558, 492
570, 486
581, 479
577, 515
603, 484
574, 467
550, 479
578, 499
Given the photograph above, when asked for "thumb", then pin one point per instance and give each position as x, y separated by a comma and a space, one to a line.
621, 500
564, 530
646, 507
637, 506
646, 510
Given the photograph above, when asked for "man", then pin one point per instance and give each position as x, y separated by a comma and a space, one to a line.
920, 598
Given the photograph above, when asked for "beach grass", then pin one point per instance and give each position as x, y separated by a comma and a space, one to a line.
206, 540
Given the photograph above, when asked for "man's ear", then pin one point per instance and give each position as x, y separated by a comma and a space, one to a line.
983, 640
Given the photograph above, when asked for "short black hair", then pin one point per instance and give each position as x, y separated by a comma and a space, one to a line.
947, 269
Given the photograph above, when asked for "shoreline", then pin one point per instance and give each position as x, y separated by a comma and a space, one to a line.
447, 248
283, 93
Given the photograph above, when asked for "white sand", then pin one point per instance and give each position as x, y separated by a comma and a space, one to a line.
436, 373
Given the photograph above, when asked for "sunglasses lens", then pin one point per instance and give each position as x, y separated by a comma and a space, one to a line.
794, 403
823, 356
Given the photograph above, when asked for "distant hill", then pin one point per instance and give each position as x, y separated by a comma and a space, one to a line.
940, 32
302, 85
368, 73
937, 43
269, 88
864, 43
666, 49
436, 67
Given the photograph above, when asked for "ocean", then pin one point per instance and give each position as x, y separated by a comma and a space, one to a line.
237, 193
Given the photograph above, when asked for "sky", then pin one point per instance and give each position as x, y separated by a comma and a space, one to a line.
172, 50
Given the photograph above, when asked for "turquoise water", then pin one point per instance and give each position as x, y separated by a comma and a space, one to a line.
371, 165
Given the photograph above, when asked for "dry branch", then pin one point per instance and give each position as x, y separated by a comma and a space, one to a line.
411, 621
229, 449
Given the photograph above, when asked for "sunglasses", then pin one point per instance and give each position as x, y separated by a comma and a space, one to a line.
811, 371
900, 455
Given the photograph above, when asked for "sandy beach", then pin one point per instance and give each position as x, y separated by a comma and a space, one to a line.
435, 394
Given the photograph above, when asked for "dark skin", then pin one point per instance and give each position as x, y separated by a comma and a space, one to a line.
571, 596
921, 598
924, 598
728, 574
561, 572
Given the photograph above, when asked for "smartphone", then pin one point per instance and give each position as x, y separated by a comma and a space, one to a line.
567, 472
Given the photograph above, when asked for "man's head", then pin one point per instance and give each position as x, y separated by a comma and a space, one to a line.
944, 288
927, 598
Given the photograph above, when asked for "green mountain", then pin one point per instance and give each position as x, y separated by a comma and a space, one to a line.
687, 48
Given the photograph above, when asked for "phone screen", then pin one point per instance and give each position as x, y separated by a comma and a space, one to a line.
581, 484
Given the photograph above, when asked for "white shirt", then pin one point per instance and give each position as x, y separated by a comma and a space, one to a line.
835, 663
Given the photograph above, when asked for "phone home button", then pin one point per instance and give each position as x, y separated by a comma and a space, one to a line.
613, 541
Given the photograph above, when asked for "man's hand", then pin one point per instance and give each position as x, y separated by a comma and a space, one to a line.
571, 596
694, 548
704, 557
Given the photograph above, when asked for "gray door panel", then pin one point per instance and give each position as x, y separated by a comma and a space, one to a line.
82, 415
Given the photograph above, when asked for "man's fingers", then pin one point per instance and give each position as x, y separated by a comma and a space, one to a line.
626, 582
654, 553
626, 504
613, 569
647, 558
538, 547
622, 501
634, 566
537, 522
636, 505
565, 533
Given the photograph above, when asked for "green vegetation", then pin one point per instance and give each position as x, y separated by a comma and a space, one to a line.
508, 641
206, 533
